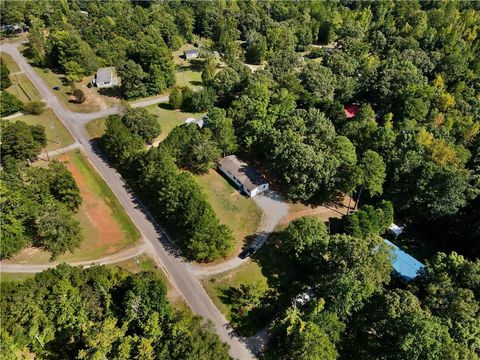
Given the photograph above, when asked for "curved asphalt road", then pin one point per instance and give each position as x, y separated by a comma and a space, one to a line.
177, 271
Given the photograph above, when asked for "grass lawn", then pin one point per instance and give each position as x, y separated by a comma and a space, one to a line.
238, 212
187, 75
57, 135
217, 287
169, 118
96, 128
22, 88
8, 277
9, 62
106, 227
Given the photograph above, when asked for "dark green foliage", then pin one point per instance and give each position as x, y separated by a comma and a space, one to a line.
5, 81
180, 204
10, 104
133, 80
21, 141
175, 98
37, 205
193, 148
223, 132
119, 144
140, 122
35, 107
101, 313
369, 221
198, 101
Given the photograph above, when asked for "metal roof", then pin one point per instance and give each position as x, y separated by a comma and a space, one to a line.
191, 52
104, 75
247, 175
404, 264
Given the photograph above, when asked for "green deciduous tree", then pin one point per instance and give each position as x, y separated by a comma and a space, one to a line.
5, 81
140, 122
22, 141
10, 104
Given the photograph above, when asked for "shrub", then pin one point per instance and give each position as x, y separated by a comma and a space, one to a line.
35, 107
79, 96
9, 104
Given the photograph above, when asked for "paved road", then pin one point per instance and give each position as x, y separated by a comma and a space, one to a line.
274, 209
122, 255
177, 271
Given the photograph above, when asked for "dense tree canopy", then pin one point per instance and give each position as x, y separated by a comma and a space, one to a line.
96, 313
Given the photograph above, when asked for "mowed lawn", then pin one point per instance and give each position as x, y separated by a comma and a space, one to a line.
238, 212
106, 227
169, 118
57, 135
9, 62
96, 128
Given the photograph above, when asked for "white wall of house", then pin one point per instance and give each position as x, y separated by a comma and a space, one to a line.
107, 84
252, 193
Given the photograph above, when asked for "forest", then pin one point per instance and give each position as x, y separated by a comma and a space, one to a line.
410, 72
378, 100
100, 313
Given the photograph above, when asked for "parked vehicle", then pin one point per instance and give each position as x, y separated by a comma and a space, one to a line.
247, 252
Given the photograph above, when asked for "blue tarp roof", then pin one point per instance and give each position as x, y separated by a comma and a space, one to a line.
407, 266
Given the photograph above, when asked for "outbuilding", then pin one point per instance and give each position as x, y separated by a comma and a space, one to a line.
191, 54
105, 78
246, 177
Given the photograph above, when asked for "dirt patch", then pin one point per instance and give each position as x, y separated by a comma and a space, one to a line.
325, 212
96, 210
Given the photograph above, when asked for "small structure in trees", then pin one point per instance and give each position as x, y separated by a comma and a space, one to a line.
404, 265
351, 110
246, 177
191, 54
199, 122
105, 78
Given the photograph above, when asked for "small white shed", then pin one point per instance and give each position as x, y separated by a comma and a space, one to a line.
191, 54
246, 177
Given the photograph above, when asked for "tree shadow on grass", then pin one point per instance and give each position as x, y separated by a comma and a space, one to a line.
165, 106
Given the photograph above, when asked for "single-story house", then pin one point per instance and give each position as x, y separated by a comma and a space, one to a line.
246, 177
199, 122
105, 77
191, 54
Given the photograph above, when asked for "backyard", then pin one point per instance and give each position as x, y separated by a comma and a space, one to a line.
106, 228
21, 86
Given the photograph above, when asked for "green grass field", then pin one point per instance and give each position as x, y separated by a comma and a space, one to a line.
9, 62
238, 212
169, 118
96, 128
106, 227
187, 76
9, 277
57, 135
22, 88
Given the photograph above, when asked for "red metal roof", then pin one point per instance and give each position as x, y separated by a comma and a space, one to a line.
351, 110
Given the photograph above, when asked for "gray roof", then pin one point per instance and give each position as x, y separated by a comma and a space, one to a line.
246, 174
104, 75
191, 52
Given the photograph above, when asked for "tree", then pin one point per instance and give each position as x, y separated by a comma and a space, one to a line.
119, 143
133, 80
222, 130
140, 122
304, 240
10, 104
209, 69
63, 186
256, 47
5, 81
57, 230
22, 141
371, 173
176, 98
79, 96
198, 101
74, 72
319, 82
35, 107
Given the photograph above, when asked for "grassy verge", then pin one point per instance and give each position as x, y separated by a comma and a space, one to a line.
57, 135
9, 277
106, 227
9, 62
238, 212
96, 128
22, 88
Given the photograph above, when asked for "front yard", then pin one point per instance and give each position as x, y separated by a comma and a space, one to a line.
238, 212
